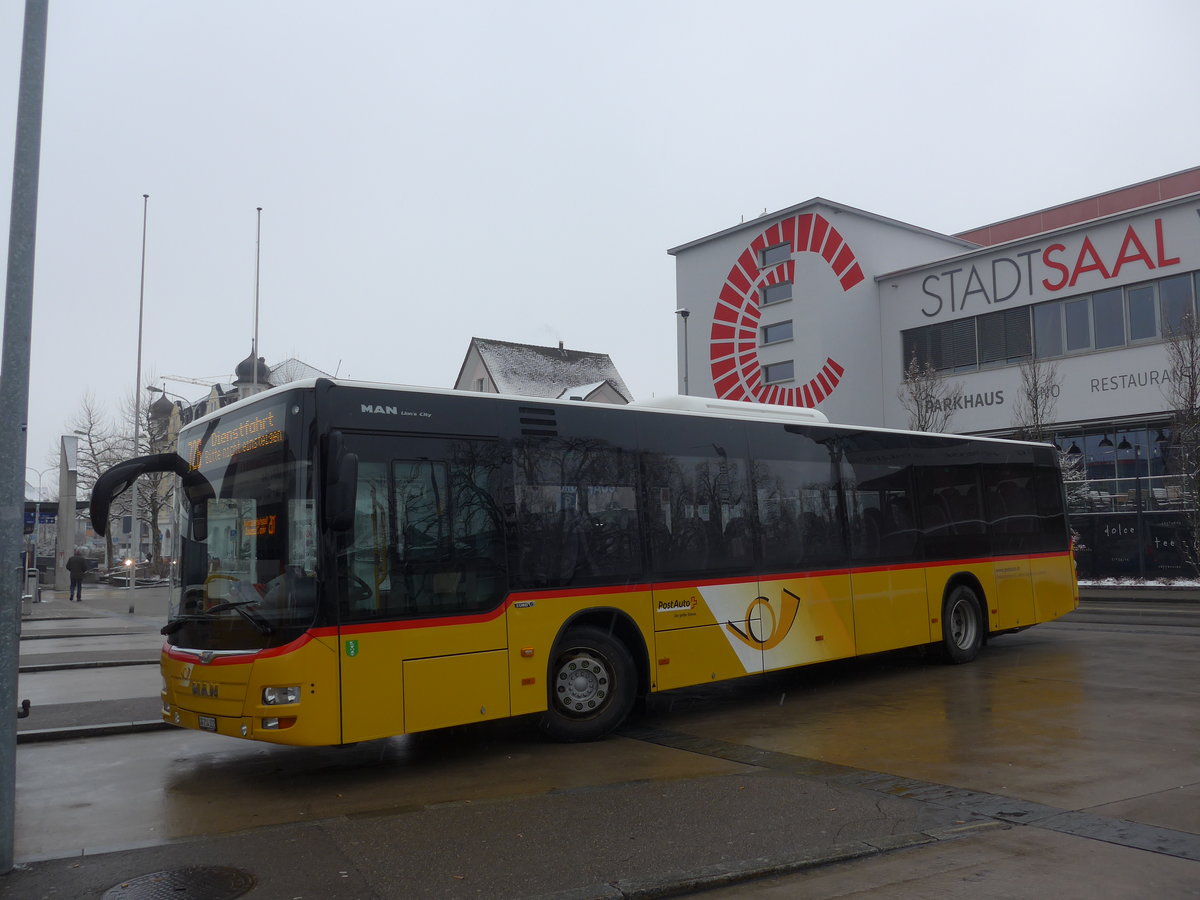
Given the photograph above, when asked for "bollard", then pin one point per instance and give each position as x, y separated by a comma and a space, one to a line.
33, 586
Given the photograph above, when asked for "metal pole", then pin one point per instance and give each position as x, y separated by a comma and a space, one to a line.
683, 314
37, 517
14, 394
37, 509
257, 255
135, 537
1141, 522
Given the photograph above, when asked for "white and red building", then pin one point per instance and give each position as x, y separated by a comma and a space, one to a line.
822, 305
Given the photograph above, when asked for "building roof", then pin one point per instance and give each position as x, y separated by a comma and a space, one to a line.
532, 371
581, 391
292, 369
828, 204
1119, 200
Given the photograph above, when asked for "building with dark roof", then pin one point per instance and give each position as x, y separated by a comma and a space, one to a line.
527, 370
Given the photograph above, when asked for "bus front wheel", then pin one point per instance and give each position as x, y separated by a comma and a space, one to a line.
962, 625
593, 683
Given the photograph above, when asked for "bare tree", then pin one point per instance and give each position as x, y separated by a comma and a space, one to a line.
927, 396
155, 490
99, 448
1033, 412
1182, 392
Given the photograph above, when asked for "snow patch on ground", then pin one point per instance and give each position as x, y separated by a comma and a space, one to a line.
1140, 583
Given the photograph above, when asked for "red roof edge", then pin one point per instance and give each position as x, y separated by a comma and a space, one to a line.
1154, 191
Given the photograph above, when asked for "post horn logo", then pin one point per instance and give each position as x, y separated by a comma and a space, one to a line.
771, 626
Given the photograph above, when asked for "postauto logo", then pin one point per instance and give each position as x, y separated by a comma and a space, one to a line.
766, 624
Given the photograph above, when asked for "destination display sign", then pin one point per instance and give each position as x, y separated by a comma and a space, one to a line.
235, 435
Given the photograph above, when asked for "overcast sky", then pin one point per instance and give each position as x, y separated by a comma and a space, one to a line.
517, 170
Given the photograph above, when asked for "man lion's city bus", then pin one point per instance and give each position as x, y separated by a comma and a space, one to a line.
356, 561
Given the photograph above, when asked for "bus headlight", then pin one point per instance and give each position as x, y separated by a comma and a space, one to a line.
277, 696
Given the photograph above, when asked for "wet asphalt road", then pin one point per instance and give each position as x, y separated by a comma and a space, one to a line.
1065, 757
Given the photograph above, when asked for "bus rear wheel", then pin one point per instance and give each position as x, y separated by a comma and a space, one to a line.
592, 686
962, 625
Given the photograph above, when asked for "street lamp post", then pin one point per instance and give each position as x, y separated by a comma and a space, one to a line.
37, 513
683, 314
135, 537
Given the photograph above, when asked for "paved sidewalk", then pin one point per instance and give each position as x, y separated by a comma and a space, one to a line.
90, 668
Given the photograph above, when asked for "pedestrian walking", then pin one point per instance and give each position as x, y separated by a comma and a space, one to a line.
76, 566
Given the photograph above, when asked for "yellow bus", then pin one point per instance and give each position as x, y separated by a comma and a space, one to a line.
359, 560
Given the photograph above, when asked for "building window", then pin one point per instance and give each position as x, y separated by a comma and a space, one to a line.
480, 384
1048, 329
774, 255
1078, 317
1143, 320
1105, 320
947, 346
773, 334
1175, 296
1004, 336
776, 372
1108, 313
775, 293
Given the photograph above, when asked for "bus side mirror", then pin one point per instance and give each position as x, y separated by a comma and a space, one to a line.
341, 485
344, 494
118, 479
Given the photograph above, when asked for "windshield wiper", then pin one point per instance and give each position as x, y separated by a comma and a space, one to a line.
261, 625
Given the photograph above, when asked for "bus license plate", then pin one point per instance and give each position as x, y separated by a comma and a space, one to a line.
208, 723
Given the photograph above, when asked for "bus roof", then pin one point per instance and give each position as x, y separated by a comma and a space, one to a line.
677, 405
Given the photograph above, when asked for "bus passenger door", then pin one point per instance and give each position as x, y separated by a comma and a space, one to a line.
421, 581
1013, 524
888, 581
698, 511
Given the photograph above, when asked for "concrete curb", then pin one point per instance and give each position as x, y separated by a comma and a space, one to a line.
46, 735
98, 664
680, 883
1123, 592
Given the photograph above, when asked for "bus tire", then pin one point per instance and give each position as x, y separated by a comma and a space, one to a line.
962, 625
592, 686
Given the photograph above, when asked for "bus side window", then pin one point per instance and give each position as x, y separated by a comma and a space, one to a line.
951, 519
1052, 519
577, 516
699, 517
878, 481
795, 487
1011, 508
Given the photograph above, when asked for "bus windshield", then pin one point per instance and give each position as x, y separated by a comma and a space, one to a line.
246, 538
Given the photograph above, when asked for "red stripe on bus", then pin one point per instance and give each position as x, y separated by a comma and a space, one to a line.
519, 596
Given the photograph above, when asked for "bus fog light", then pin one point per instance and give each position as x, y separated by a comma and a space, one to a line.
276, 696
278, 724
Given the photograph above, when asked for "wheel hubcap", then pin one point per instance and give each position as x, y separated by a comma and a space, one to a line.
582, 684
962, 625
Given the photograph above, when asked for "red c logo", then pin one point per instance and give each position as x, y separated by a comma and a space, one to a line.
736, 371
